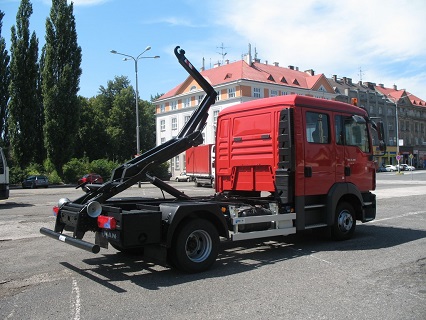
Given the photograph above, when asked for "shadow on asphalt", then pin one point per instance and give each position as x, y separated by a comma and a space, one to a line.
11, 205
236, 257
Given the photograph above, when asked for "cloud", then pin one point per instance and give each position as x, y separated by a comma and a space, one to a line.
174, 22
386, 38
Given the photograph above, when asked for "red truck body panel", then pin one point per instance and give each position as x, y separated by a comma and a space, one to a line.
247, 147
198, 160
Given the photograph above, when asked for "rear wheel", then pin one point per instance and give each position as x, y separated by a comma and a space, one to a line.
195, 246
344, 222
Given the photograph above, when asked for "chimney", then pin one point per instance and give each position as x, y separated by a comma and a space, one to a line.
297, 68
344, 80
203, 66
217, 64
276, 64
310, 71
266, 61
381, 85
395, 87
350, 81
335, 77
249, 61
226, 61
291, 67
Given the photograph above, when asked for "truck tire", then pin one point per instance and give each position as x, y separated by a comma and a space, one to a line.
195, 246
344, 222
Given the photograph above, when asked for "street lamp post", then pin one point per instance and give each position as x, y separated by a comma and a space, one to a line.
136, 59
395, 101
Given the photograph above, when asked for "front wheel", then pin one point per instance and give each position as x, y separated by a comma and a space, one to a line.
344, 222
195, 246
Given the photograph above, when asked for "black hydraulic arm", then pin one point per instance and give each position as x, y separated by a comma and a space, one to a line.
134, 170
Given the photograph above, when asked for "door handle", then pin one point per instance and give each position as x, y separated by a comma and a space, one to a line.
308, 172
347, 171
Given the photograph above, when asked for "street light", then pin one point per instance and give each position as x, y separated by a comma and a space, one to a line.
395, 101
135, 59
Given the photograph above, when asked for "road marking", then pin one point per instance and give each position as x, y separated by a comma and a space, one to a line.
400, 216
75, 300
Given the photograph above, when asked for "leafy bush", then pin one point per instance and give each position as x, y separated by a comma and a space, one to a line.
75, 169
103, 167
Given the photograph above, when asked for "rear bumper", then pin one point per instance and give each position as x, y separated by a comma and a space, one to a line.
94, 248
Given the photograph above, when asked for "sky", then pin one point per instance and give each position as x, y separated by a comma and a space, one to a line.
381, 41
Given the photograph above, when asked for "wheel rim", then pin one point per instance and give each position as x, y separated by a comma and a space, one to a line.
198, 246
345, 221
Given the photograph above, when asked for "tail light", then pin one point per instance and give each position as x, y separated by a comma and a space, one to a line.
105, 222
55, 211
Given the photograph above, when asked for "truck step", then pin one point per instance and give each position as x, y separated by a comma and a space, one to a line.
262, 234
318, 225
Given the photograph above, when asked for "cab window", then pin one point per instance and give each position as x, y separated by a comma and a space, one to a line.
352, 131
317, 127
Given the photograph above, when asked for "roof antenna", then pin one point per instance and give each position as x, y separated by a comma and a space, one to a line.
223, 54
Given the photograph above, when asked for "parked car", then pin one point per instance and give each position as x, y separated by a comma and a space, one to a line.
182, 177
390, 168
91, 178
406, 167
382, 169
35, 182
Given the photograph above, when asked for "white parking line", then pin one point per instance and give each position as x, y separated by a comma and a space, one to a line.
400, 216
75, 300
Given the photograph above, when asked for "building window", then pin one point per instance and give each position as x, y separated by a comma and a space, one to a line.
218, 96
215, 115
177, 163
174, 105
200, 98
163, 140
284, 93
162, 108
186, 119
163, 125
174, 123
231, 93
257, 93
273, 93
186, 102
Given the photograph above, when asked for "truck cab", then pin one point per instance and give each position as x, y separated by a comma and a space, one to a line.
312, 154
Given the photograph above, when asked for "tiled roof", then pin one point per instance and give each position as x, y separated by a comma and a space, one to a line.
259, 72
395, 95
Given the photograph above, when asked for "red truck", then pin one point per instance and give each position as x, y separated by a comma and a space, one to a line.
200, 162
283, 165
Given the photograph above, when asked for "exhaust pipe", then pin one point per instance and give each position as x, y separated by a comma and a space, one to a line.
94, 248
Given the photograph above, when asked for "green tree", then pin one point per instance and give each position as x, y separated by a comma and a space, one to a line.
147, 125
24, 99
61, 77
92, 139
4, 84
120, 130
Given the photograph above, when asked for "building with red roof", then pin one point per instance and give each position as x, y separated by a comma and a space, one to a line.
248, 79
235, 82
382, 102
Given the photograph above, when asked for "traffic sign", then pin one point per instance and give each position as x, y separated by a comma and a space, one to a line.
398, 157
